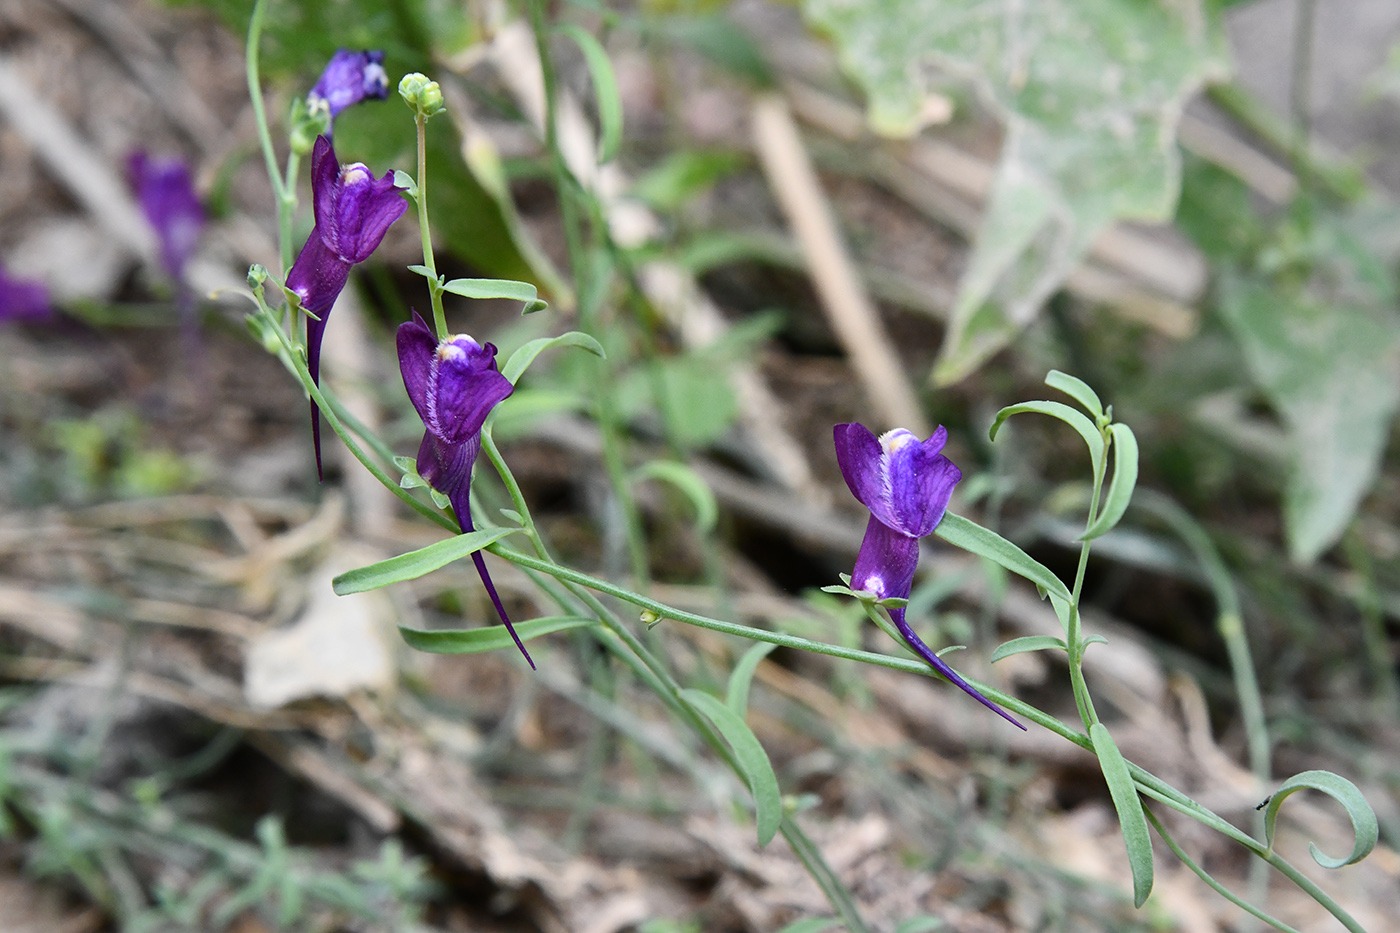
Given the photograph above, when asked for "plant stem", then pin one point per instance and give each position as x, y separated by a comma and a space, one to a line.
1073, 637
425, 231
279, 184
293, 355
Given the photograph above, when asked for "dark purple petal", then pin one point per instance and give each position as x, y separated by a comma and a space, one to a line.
23, 299
325, 173
349, 78
886, 563
938, 664
861, 458
465, 387
920, 480
166, 193
364, 209
416, 345
353, 208
448, 467
317, 277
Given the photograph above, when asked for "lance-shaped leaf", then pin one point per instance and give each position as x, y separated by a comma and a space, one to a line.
751, 758
417, 563
488, 638
1090, 93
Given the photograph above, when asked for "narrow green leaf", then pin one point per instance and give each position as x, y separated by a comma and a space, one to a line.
1063, 608
1129, 807
415, 564
1076, 389
1086, 428
490, 638
521, 359
688, 482
424, 271
497, 288
1028, 643
752, 760
1120, 488
811, 925
1093, 640
737, 696
1363, 819
604, 90
972, 537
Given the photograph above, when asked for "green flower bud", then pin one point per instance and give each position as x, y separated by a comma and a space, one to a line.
424, 97
257, 275
309, 118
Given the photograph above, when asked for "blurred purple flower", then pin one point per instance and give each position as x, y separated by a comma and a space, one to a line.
353, 212
23, 299
453, 384
906, 484
349, 78
166, 192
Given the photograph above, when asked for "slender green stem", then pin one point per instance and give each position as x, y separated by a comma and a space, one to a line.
279, 185
293, 354
1073, 634
1205, 876
810, 856
251, 56
425, 231
287, 208
653, 672
1158, 790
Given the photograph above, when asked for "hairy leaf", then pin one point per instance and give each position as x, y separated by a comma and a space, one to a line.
1090, 92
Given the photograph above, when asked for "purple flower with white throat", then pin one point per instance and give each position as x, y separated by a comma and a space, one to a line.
353, 212
349, 78
453, 384
906, 484
166, 192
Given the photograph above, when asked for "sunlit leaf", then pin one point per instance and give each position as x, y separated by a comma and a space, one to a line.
1332, 369
1089, 91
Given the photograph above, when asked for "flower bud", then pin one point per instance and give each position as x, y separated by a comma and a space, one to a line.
311, 117
257, 275
423, 96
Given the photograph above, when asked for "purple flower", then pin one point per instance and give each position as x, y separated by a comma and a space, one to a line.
906, 484
350, 78
453, 384
23, 299
353, 212
167, 197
